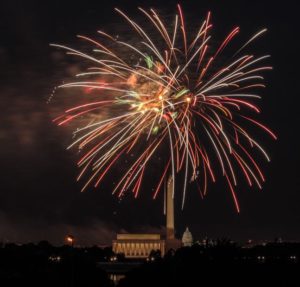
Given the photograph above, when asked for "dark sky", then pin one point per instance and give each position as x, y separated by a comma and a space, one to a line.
39, 197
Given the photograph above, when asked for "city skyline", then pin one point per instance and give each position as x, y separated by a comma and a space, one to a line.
40, 198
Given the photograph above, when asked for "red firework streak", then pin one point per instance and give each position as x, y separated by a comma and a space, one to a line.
171, 99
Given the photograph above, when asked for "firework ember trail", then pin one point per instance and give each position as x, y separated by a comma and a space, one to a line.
173, 93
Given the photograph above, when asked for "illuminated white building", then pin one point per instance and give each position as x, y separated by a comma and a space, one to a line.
187, 238
138, 245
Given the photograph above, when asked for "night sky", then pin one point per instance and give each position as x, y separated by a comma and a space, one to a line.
39, 196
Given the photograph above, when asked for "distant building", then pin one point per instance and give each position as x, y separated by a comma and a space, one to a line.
138, 245
187, 238
206, 242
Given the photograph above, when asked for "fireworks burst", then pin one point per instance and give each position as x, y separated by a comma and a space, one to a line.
171, 97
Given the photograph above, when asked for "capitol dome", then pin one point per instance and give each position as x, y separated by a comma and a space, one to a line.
187, 238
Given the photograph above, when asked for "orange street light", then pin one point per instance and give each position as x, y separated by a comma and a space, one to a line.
70, 240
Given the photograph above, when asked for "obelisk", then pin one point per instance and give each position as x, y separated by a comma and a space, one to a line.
170, 210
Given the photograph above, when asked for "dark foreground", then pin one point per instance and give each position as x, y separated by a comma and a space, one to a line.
275, 264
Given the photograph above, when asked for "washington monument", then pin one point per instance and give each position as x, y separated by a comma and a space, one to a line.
171, 241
